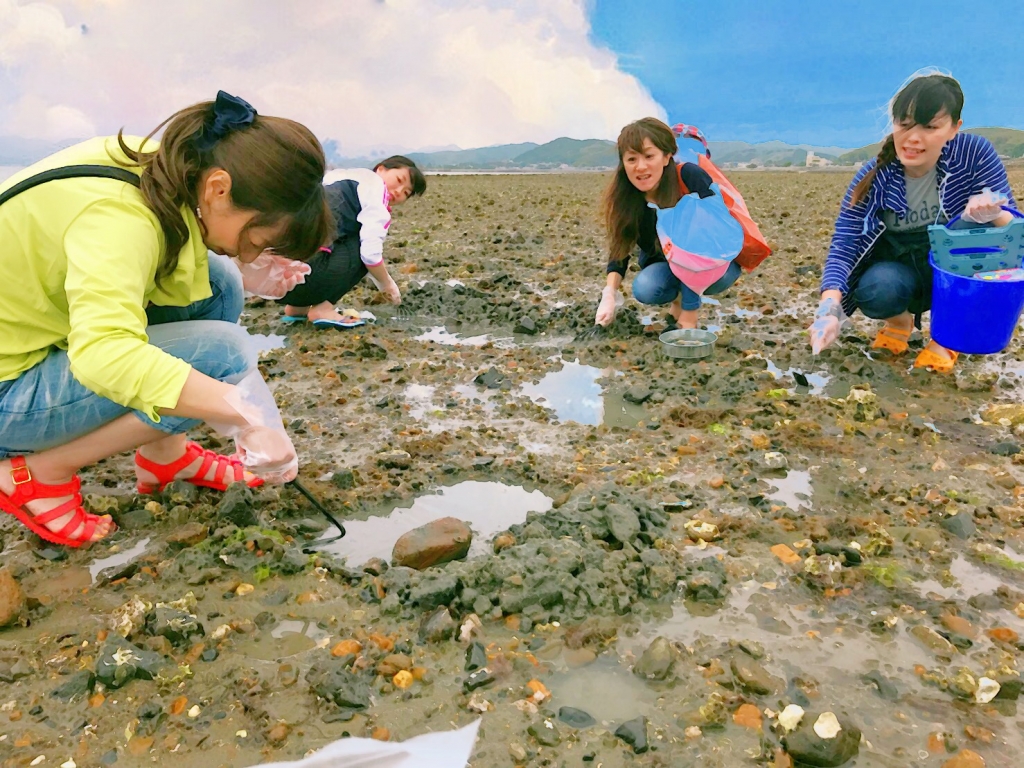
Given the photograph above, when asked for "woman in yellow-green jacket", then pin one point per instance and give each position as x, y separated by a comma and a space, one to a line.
117, 329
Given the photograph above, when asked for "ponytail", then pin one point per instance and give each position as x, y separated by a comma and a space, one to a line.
886, 155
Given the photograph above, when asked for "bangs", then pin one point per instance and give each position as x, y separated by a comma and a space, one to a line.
926, 98
305, 232
632, 139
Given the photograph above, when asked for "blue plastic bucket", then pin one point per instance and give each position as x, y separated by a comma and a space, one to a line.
972, 316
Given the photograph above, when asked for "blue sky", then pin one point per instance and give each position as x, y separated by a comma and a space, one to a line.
377, 77
813, 72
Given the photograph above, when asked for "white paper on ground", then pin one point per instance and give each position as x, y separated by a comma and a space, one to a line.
444, 749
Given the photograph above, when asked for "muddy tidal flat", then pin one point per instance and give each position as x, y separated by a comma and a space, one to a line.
763, 558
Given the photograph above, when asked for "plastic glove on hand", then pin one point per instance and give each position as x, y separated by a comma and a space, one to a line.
390, 289
270, 276
824, 331
828, 320
261, 443
269, 453
984, 207
606, 309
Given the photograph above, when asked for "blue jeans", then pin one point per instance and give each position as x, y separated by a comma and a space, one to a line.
657, 285
46, 407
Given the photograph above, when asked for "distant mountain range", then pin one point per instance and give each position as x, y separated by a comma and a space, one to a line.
1009, 142
593, 154
567, 153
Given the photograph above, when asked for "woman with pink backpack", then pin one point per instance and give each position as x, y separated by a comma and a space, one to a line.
649, 178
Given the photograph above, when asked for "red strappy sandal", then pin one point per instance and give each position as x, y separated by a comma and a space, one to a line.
165, 472
27, 488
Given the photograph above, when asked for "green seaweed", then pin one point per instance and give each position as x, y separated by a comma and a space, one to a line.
889, 576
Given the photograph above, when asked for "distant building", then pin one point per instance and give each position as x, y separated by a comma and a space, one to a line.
813, 161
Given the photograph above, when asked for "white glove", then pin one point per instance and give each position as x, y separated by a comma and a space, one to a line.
606, 309
270, 276
984, 207
827, 322
390, 289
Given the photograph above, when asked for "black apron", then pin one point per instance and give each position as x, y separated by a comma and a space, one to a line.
910, 249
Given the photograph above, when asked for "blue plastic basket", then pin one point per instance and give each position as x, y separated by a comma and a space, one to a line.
974, 316
979, 249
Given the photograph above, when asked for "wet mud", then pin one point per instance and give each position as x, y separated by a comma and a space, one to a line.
669, 558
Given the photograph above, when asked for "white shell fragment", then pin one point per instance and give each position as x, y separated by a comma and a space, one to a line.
791, 716
987, 690
827, 726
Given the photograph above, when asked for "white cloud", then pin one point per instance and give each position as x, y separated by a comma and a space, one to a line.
30, 30
367, 73
33, 117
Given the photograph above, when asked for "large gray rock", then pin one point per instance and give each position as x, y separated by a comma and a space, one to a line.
177, 626
437, 627
435, 591
120, 662
330, 680
657, 661
77, 686
753, 678
634, 733
623, 523
437, 542
236, 506
806, 747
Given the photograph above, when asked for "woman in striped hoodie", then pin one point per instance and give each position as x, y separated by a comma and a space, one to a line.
927, 172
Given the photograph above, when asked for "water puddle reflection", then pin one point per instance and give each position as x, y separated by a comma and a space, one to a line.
487, 507
263, 342
745, 313
306, 628
816, 382
605, 690
476, 396
793, 490
287, 638
971, 580
439, 334
574, 394
420, 398
120, 558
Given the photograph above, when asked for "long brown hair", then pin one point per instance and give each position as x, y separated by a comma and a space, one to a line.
276, 167
623, 205
920, 100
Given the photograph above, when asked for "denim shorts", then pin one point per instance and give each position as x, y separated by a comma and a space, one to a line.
46, 407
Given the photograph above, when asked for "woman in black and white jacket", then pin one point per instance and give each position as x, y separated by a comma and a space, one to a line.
361, 200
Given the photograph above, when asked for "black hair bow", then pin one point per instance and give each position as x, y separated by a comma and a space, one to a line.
230, 113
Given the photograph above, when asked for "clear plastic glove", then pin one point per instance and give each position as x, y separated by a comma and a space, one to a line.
271, 276
828, 320
606, 309
262, 443
390, 289
984, 207
269, 453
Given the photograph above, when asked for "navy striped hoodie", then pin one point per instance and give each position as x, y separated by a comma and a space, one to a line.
967, 165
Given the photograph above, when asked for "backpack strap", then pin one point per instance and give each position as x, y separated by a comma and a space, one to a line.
71, 172
683, 189
684, 131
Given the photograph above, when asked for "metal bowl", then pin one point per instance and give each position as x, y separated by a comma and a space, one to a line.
688, 343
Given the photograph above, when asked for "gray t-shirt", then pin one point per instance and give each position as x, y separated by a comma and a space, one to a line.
922, 205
